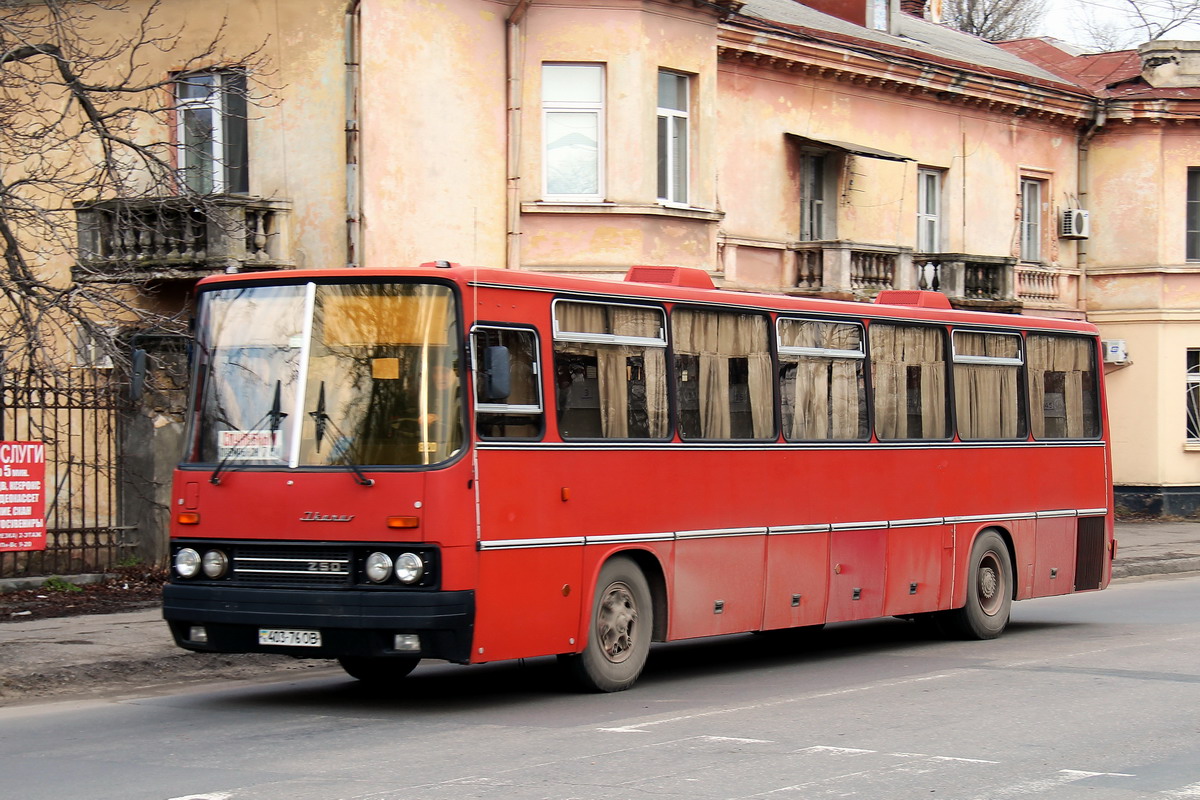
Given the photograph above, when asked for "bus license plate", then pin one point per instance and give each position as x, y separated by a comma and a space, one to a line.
289, 638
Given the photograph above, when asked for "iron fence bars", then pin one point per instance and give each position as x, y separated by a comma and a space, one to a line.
77, 415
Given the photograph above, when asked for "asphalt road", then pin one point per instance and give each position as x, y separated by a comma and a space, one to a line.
1088, 696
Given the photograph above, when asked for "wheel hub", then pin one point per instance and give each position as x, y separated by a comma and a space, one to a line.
615, 622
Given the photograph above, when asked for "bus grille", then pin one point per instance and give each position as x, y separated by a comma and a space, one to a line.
294, 566
1089, 553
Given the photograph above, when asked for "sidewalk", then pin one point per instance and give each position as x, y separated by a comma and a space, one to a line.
97, 653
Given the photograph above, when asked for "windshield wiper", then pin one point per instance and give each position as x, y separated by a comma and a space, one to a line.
275, 414
320, 420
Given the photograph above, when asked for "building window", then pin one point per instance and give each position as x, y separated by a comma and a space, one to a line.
211, 131
1031, 219
673, 101
1193, 395
573, 131
817, 170
1193, 214
929, 211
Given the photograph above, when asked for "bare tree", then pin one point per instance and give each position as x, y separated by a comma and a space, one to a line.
995, 20
1127, 23
84, 122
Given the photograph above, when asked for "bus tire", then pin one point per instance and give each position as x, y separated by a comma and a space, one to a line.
378, 670
989, 591
619, 628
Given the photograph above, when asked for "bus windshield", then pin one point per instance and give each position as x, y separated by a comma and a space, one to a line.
325, 374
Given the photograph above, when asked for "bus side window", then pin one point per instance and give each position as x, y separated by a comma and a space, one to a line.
723, 375
1063, 396
610, 371
822, 385
988, 385
908, 371
519, 415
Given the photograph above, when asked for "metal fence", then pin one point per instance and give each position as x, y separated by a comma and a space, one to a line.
77, 415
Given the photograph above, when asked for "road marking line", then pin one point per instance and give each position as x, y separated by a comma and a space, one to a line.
637, 727
841, 751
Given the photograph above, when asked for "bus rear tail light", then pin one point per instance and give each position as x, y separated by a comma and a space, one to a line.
403, 522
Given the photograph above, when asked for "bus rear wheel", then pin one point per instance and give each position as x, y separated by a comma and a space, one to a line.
378, 670
989, 591
618, 637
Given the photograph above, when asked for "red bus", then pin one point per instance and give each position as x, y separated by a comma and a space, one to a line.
474, 465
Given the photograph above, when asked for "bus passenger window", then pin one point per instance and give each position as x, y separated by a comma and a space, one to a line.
908, 372
519, 415
1063, 395
821, 380
610, 371
988, 386
723, 375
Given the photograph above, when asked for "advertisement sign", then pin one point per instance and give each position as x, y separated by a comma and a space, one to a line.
22, 496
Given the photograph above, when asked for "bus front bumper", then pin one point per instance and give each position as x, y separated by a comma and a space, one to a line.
350, 623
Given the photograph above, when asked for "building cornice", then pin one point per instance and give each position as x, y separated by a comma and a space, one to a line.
868, 65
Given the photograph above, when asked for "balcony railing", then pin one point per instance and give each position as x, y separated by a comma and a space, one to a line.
861, 271
174, 238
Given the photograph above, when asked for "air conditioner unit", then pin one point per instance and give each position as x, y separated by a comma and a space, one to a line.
1075, 224
1115, 351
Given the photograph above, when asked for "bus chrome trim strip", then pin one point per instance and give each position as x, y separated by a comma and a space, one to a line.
858, 526
781, 530
520, 544
618, 538
715, 533
917, 523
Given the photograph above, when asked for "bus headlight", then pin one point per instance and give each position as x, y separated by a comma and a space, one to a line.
409, 568
216, 564
378, 567
187, 563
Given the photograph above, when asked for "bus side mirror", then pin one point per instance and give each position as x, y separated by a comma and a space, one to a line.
137, 374
497, 374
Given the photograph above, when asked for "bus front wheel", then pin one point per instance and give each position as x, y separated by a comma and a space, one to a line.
989, 591
378, 670
618, 637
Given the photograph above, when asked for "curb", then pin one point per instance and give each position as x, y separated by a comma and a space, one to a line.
1134, 568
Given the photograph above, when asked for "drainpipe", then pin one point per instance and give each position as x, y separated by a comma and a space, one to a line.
352, 46
515, 54
1085, 142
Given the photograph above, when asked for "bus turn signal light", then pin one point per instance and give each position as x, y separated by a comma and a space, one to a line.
188, 518
403, 522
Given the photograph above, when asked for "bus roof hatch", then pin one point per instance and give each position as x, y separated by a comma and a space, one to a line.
912, 297
670, 276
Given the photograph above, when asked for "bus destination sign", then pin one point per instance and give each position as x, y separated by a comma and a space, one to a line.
22, 496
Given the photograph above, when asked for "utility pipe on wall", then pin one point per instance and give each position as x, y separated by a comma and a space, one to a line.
514, 63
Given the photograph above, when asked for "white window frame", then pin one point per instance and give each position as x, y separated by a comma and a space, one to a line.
929, 210
1032, 202
217, 154
816, 192
595, 108
677, 144
1192, 401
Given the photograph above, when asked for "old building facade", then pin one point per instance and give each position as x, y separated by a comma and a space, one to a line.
832, 148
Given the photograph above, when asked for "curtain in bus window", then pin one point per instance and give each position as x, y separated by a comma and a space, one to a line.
908, 371
824, 395
1063, 397
723, 368
987, 397
612, 391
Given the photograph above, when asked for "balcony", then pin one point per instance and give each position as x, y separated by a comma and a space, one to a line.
126, 241
857, 271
